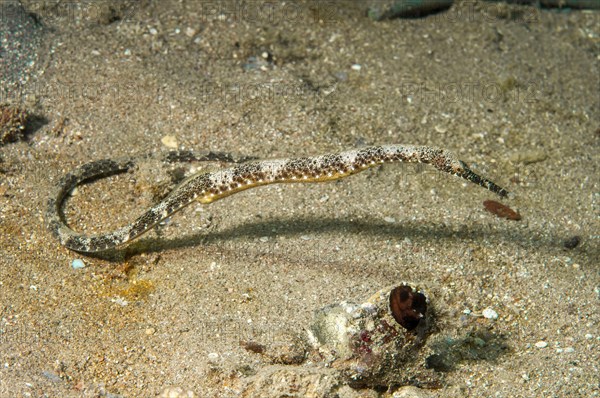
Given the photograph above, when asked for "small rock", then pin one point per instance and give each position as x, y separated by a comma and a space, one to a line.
77, 264
572, 242
169, 141
51, 376
501, 210
176, 392
541, 344
490, 313
411, 392
213, 356
287, 349
387, 9
528, 157
190, 32
252, 346
276, 381
373, 343
120, 300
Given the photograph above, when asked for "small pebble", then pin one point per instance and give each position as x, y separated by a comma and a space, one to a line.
176, 392
264, 239
541, 344
501, 210
528, 157
120, 300
252, 346
411, 392
589, 336
77, 264
391, 220
490, 313
356, 67
572, 242
213, 356
190, 32
169, 141
51, 376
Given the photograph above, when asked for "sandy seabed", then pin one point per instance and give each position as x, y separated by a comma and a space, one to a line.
512, 90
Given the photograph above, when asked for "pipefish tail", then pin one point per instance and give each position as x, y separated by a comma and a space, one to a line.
208, 187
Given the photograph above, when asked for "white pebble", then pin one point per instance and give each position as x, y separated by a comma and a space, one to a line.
213, 356
120, 300
190, 32
541, 344
411, 392
589, 336
176, 392
490, 313
264, 239
356, 67
77, 264
169, 141
391, 220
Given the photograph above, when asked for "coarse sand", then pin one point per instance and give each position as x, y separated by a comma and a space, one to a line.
216, 301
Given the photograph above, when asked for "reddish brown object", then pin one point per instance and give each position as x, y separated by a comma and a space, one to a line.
252, 346
407, 307
501, 210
